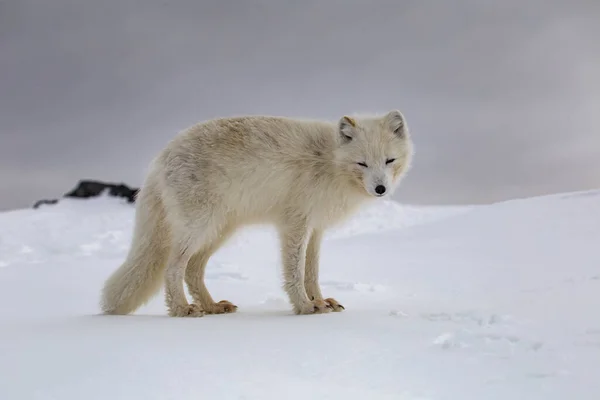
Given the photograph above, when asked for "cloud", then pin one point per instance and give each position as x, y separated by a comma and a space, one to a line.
501, 97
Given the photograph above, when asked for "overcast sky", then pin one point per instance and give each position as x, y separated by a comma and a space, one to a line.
503, 97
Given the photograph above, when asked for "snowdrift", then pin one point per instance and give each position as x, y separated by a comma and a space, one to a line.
485, 302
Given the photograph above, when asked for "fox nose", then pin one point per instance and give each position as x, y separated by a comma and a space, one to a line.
380, 189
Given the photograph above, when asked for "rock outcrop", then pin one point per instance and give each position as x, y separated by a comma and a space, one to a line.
42, 202
91, 188
86, 189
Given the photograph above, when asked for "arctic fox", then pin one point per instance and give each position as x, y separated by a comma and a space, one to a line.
302, 176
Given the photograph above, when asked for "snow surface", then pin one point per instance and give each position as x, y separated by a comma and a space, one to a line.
489, 302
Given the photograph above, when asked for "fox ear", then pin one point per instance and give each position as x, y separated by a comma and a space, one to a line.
395, 121
346, 127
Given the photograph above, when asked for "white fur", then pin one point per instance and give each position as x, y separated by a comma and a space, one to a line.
214, 177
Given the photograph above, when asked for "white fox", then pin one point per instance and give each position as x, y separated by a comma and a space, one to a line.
216, 176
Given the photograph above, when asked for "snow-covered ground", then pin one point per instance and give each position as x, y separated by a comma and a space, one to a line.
489, 302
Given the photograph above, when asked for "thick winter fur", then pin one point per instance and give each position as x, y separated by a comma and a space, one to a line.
216, 176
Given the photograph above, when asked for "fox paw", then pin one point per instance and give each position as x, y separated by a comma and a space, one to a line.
313, 307
334, 305
190, 310
222, 307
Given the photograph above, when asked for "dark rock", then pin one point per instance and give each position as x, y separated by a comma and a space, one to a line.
42, 202
89, 188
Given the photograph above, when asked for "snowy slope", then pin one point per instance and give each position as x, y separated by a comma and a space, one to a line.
486, 302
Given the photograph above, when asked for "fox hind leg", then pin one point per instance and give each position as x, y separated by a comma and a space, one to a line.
194, 277
185, 246
175, 299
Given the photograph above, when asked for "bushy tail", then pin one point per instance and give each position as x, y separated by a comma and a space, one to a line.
141, 275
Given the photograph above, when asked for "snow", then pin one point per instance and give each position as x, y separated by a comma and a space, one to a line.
488, 302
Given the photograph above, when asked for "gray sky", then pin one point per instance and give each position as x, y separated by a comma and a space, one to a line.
503, 97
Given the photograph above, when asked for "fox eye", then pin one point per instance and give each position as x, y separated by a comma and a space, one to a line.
390, 160
362, 164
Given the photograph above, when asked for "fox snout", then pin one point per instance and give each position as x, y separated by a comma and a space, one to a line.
377, 185
380, 190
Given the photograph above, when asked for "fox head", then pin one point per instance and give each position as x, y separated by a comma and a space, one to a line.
374, 153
